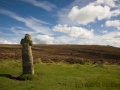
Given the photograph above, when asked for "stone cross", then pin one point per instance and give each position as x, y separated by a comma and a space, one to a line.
27, 58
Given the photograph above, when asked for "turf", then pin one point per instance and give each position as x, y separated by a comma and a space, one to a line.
60, 76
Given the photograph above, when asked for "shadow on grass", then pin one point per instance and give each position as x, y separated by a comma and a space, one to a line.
24, 77
9, 76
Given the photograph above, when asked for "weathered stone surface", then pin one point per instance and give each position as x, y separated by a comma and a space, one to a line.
27, 58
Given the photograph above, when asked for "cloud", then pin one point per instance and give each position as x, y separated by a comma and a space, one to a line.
83, 12
110, 3
90, 13
21, 30
38, 26
113, 23
3, 41
33, 23
98, 10
42, 4
62, 14
43, 39
111, 38
64, 40
115, 12
73, 31
117, 35
104, 31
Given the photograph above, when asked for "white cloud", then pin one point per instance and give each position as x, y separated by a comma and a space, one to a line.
101, 9
42, 4
104, 31
113, 23
64, 40
110, 3
33, 23
90, 13
117, 35
73, 31
37, 26
3, 41
115, 12
63, 17
111, 38
86, 11
43, 39
21, 30
63, 12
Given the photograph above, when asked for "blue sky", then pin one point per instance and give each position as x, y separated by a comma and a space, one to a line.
91, 22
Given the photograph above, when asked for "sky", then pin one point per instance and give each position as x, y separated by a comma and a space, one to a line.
86, 22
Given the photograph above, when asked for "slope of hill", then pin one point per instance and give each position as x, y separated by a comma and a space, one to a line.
67, 53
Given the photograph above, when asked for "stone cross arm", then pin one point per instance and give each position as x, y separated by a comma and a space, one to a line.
27, 40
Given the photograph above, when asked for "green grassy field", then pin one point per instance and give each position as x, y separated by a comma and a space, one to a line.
60, 76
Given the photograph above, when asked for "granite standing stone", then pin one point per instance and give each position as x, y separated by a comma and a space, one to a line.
27, 58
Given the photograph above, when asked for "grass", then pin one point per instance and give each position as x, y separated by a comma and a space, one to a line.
60, 76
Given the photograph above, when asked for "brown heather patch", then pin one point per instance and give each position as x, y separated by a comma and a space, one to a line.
68, 53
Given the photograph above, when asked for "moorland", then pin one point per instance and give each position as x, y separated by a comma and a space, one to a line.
62, 67
68, 53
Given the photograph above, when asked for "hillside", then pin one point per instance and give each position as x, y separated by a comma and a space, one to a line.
67, 53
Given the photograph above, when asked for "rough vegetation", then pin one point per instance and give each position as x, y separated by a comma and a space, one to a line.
67, 53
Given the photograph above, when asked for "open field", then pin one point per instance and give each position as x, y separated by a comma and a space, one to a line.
68, 53
60, 76
62, 67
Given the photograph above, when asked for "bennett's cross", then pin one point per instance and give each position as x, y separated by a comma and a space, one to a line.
27, 58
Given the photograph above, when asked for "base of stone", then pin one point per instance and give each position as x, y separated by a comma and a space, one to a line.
25, 77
